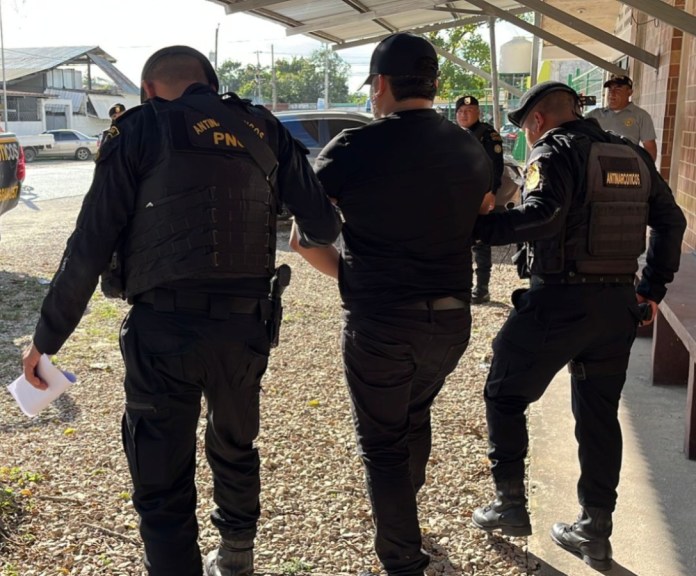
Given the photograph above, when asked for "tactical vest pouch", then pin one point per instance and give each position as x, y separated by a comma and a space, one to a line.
112, 280
614, 226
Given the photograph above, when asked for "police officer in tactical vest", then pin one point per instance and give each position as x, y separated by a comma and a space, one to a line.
587, 200
187, 187
467, 113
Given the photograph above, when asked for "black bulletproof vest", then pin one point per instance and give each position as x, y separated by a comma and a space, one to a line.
606, 225
618, 188
205, 211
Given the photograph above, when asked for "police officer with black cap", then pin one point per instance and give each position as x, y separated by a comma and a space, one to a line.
588, 197
405, 277
187, 187
115, 112
467, 114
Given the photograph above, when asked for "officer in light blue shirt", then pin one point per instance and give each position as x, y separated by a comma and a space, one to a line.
623, 117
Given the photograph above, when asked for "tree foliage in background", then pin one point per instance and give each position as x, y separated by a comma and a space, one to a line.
298, 79
466, 43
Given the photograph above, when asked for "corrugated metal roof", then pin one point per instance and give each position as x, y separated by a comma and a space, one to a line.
581, 28
345, 21
21, 62
77, 98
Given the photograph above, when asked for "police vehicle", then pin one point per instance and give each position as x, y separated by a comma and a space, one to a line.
12, 171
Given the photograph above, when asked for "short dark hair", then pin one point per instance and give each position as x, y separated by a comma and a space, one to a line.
405, 87
173, 68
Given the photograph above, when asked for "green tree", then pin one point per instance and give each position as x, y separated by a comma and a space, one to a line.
298, 79
466, 43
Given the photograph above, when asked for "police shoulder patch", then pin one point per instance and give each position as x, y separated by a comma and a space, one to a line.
107, 143
533, 177
112, 132
496, 137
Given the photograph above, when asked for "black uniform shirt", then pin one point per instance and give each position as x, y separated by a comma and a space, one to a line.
129, 152
409, 187
493, 144
555, 179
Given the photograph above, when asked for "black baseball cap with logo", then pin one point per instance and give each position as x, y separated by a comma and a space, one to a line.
466, 101
404, 54
117, 108
618, 81
533, 96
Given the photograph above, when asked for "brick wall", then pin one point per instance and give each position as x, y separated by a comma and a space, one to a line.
685, 186
657, 92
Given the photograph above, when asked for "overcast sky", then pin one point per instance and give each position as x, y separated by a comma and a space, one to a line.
131, 30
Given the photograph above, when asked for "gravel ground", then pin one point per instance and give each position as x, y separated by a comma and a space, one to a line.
64, 485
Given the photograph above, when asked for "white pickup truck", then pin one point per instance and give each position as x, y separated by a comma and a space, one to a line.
35, 143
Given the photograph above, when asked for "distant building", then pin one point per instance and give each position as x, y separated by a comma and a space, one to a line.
56, 87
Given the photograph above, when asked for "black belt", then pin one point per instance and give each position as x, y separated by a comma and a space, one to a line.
574, 279
446, 303
216, 306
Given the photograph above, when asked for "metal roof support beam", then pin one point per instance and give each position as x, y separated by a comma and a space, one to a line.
668, 14
425, 29
339, 20
592, 31
247, 5
473, 69
584, 54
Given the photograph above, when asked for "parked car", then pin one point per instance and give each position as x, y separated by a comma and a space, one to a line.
316, 128
71, 144
34, 144
12, 171
508, 132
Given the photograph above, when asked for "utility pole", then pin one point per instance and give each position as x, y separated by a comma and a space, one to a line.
494, 74
216, 45
258, 77
5, 111
274, 88
326, 76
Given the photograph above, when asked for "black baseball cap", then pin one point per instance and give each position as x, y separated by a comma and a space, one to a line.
404, 54
619, 81
533, 96
465, 101
116, 109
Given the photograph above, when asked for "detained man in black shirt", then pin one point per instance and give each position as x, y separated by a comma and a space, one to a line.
404, 275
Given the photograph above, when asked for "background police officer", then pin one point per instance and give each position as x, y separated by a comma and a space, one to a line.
196, 216
624, 117
114, 112
405, 279
468, 116
586, 201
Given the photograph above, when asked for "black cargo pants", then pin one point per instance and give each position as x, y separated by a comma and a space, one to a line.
395, 363
172, 359
593, 325
484, 263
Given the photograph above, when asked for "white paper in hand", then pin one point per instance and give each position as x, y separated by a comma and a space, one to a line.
32, 400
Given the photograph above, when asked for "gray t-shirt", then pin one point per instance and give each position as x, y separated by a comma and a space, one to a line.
632, 122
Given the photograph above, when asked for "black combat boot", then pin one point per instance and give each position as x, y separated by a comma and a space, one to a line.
507, 513
480, 294
232, 558
588, 537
